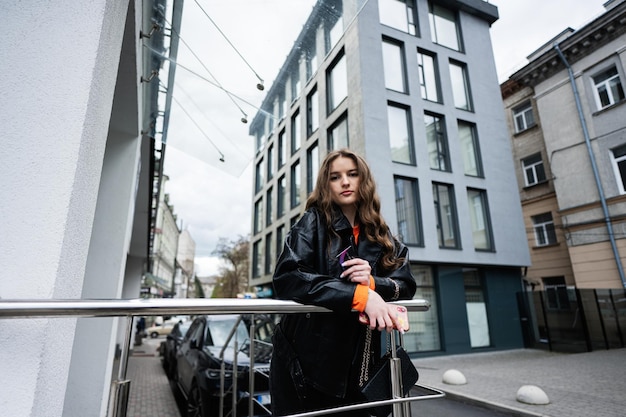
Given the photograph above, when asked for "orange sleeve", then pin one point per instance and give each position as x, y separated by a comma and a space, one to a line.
360, 298
360, 295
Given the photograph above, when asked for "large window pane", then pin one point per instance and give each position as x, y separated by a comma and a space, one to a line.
269, 212
400, 136
470, 150
313, 167
313, 112
460, 86
257, 253
398, 14
534, 172
407, 211
337, 82
476, 309
443, 27
393, 61
258, 215
445, 209
608, 88
479, 218
258, 176
544, 229
269, 255
295, 184
282, 149
424, 334
436, 142
428, 76
296, 132
280, 200
338, 135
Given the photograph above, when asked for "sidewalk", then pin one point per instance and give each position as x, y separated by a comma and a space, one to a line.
578, 385
150, 391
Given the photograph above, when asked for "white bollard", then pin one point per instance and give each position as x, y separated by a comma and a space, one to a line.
454, 377
531, 394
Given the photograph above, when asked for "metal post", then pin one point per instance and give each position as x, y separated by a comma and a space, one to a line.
396, 378
251, 371
121, 387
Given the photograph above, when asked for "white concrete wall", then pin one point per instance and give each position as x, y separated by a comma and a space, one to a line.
60, 63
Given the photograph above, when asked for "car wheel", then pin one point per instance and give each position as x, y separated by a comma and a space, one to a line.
154, 335
195, 407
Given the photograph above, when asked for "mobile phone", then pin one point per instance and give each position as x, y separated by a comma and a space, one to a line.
402, 318
345, 255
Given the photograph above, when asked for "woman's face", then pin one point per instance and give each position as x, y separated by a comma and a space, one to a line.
344, 182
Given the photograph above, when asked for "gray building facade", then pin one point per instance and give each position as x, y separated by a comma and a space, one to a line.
411, 86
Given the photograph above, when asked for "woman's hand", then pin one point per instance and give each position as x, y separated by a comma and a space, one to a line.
357, 270
382, 316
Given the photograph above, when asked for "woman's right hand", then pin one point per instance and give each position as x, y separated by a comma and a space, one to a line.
381, 315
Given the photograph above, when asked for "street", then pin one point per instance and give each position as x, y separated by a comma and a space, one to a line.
148, 353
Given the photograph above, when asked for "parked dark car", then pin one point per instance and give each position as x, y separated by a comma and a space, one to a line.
170, 346
204, 360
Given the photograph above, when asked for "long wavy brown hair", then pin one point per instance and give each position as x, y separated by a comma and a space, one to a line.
371, 223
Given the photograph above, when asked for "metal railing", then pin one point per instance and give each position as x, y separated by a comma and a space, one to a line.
191, 306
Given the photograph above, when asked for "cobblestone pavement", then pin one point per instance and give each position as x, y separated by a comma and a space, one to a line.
150, 391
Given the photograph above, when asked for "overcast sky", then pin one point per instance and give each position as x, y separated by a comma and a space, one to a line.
213, 199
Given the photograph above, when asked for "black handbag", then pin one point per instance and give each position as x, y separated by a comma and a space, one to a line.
378, 385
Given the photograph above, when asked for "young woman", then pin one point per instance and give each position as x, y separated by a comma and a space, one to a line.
342, 256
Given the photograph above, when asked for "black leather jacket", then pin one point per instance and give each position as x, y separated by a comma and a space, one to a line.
329, 345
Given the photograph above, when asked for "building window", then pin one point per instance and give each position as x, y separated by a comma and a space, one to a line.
398, 14
260, 141
424, 335
428, 76
338, 135
470, 149
281, 195
619, 167
313, 112
295, 83
293, 220
436, 142
545, 233
311, 59
400, 134
258, 215
523, 117
333, 26
269, 258
296, 136
534, 172
476, 309
295, 184
408, 211
282, 149
445, 210
280, 239
556, 293
337, 82
608, 88
444, 27
258, 178
282, 105
312, 167
480, 220
394, 67
256, 259
460, 86
270, 162
268, 207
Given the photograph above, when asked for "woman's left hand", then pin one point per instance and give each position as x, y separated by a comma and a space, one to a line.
357, 270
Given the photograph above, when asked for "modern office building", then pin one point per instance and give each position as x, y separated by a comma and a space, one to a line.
410, 85
567, 120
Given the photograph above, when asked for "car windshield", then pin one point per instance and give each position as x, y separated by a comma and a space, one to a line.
220, 329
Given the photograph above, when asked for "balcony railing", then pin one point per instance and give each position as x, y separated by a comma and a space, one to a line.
192, 306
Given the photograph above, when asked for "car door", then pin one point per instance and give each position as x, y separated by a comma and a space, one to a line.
187, 355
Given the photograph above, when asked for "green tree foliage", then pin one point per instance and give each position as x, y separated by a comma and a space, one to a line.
198, 288
233, 274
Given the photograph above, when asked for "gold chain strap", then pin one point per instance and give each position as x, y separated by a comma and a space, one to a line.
367, 352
